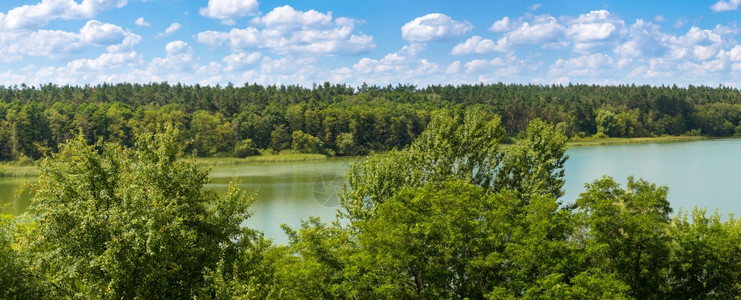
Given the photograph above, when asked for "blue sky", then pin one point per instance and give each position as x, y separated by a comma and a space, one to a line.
378, 42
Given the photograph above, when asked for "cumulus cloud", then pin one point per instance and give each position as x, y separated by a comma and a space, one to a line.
434, 27
170, 29
285, 30
475, 45
594, 29
141, 23
97, 33
228, 10
723, 5
505, 24
33, 17
583, 65
477, 65
213, 39
238, 61
56, 44
544, 30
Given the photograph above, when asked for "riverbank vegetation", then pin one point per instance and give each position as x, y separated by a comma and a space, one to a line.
452, 215
244, 121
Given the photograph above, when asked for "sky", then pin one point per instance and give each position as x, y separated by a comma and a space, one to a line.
376, 42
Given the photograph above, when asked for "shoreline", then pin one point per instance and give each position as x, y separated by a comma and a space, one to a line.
8, 169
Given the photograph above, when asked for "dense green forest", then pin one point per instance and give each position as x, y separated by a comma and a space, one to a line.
342, 120
452, 215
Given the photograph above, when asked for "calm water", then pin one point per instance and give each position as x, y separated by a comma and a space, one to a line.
701, 173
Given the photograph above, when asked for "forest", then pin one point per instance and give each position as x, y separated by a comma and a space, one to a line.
336, 119
451, 215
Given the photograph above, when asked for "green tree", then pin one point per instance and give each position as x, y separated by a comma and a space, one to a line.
345, 143
607, 123
305, 143
245, 148
534, 165
132, 223
627, 232
706, 257
280, 139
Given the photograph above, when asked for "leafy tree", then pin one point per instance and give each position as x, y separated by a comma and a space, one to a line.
245, 148
705, 258
607, 123
345, 144
16, 281
534, 165
128, 223
280, 139
305, 143
627, 232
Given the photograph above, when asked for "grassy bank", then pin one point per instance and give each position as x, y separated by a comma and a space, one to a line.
227, 161
12, 170
588, 142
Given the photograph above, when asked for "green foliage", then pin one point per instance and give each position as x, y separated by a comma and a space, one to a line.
346, 143
534, 165
280, 139
305, 143
706, 257
606, 123
628, 232
245, 148
16, 282
124, 223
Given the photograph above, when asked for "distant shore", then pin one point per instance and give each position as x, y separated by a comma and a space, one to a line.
10, 169
590, 142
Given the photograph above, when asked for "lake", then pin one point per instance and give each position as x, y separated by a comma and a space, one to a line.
698, 173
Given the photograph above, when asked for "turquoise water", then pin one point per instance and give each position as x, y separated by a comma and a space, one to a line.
699, 173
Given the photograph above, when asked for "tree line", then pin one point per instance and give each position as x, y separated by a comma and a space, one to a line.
336, 119
452, 215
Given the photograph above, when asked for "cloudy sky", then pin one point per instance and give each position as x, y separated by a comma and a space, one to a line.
378, 42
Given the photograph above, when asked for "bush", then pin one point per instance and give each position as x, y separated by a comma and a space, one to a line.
246, 148
306, 143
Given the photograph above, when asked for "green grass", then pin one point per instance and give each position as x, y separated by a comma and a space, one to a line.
12, 170
588, 142
269, 158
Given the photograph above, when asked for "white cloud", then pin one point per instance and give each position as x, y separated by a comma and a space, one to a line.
105, 61
475, 45
594, 26
228, 10
434, 27
141, 23
594, 29
453, 68
285, 30
680, 22
535, 6
505, 24
659, 19
240, 60
544, 30
477, 65
97, 33
583, 65
723, 5
176, 47
213, 39
171, 29
32, 17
